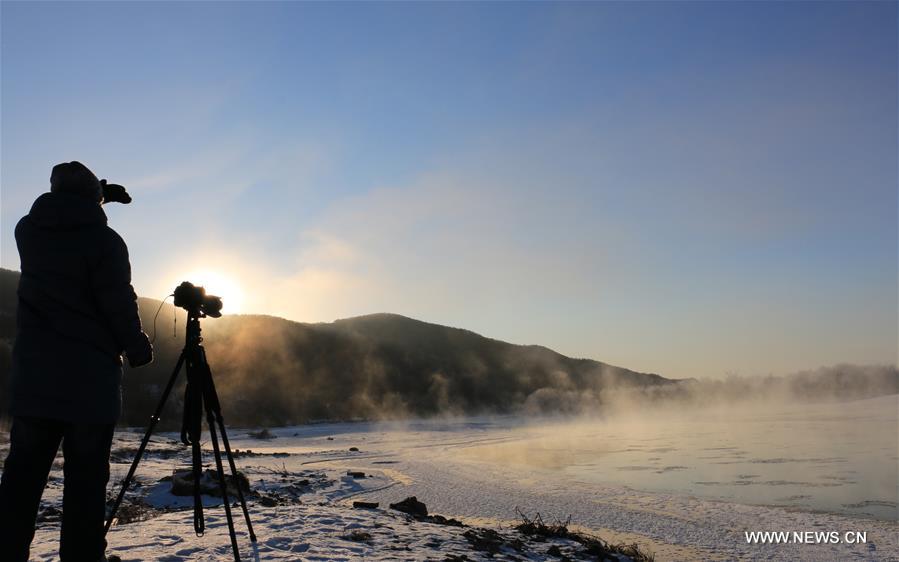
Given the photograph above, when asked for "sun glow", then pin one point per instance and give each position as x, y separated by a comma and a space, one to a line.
218, 284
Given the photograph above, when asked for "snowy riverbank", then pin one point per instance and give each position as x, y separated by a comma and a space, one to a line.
297, 513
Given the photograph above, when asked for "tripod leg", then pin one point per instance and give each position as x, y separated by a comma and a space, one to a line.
196, 464
210, 418
191, 429
203, 375
240, 496
154, 419
212, 400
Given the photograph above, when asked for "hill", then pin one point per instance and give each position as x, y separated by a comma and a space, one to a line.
274, 371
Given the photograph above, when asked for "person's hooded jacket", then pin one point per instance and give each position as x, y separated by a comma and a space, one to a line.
77, 309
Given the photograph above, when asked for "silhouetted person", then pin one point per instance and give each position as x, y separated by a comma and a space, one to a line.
77, 314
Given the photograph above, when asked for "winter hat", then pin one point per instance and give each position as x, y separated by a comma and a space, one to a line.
74, 177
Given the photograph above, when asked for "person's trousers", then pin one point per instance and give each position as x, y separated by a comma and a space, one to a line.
32, 448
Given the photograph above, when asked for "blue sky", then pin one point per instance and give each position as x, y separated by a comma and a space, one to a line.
686, 188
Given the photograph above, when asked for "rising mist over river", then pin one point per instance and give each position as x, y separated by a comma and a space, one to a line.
833, 457
686, 484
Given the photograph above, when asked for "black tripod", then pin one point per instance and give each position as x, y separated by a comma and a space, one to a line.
199, 394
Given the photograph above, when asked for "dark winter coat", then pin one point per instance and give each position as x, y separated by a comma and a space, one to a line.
77, 313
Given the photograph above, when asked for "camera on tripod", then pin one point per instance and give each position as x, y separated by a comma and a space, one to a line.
194, 299
199, 396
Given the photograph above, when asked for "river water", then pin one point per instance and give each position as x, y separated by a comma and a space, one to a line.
834, 457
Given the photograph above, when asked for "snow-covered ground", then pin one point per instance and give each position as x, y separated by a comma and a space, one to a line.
301, 508
308, 512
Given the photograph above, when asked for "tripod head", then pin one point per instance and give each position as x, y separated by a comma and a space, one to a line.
192, 337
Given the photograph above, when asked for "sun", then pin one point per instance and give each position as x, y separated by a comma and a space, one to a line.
218, 284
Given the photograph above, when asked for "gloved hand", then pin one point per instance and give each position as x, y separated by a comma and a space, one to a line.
140, 353
114, 193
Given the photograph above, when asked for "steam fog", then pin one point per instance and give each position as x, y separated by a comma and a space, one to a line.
271, 371
836, 383
822, 439
822, 457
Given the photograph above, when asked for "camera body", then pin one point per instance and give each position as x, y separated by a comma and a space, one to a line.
195, 300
